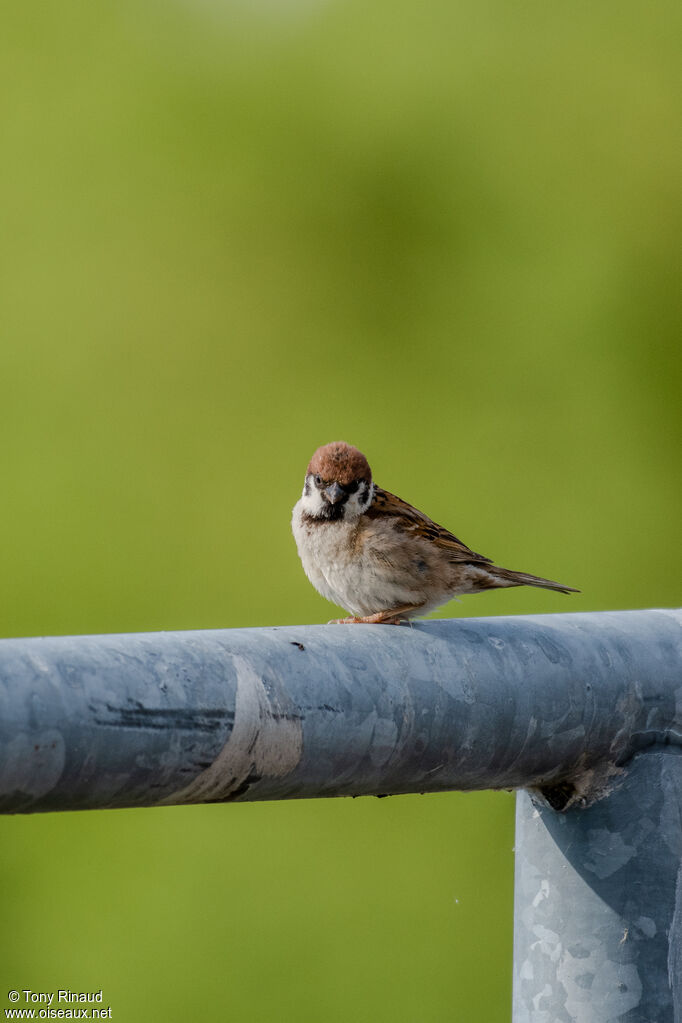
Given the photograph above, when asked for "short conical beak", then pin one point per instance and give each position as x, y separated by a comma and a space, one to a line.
334, 493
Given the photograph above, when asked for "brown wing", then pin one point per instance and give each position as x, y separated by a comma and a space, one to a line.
411, 521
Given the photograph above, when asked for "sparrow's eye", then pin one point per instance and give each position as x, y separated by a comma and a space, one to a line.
352, 487
318, 480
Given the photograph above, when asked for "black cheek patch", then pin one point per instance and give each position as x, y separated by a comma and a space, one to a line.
363, 494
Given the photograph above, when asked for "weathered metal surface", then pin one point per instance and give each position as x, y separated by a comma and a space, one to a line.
598, 902
558, 702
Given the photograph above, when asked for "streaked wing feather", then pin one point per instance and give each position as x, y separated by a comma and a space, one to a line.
412, 521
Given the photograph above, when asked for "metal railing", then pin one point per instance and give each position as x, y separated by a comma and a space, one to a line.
582, 711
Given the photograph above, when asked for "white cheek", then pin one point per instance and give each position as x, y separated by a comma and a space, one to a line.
312, 503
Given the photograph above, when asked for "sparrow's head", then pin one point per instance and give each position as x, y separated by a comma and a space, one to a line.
338, 483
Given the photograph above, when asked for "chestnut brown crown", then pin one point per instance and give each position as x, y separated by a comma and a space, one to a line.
341, 463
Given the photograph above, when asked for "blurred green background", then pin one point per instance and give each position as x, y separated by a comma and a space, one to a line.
446, 233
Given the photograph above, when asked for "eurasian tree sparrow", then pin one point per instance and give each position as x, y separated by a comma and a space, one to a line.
377, 556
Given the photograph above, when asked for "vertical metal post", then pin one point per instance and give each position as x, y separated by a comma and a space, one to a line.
598, 902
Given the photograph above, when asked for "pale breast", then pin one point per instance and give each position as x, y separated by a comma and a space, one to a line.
324, 549
364, 567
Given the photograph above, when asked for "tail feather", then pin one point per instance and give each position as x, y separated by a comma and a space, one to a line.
507, 577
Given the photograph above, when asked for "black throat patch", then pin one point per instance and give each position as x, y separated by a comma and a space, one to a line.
327, 513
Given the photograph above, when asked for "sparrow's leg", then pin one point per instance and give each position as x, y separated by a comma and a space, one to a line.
394, 616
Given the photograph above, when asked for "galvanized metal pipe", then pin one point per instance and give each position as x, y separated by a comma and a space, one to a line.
598, 902
555, 702
585, 710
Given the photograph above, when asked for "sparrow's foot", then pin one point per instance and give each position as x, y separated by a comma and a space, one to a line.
379, 618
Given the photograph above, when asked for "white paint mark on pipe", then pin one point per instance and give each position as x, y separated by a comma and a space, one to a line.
262, 744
